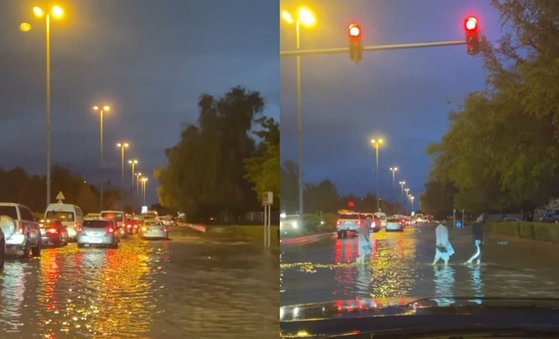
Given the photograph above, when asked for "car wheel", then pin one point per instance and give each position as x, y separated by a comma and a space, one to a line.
26, 249
36, 250
2, 254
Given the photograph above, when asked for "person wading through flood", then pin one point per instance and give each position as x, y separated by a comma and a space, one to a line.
443, 248
364, 240
477, 238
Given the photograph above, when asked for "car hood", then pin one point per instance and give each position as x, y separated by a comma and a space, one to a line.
409, 316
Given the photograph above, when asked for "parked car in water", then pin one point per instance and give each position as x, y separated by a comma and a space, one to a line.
382, 217
70, 215
98, 232
154, 229
20, 229
53, 233
374, 221
118, 217
550, 216
348, 224
131, 226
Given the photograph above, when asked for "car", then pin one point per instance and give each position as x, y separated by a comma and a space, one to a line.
53, 233
348, 223
131, 226
93, 216
289, 224
382, 217
153, 229
70, 215
550, 216
98, 232
511, 219
374, 221
118, 217
2, 249
20, 229
394, 224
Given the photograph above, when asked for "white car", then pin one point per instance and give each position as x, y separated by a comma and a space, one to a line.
394, 224
70, 215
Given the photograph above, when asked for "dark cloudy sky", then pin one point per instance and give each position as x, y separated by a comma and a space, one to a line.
403, 95
149, 60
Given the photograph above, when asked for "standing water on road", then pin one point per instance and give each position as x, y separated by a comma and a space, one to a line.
190, 286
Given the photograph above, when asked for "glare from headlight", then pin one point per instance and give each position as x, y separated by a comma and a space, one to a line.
295, 224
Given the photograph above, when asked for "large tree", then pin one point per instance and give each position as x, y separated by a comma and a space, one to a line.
262, 170
502, 149
205, 174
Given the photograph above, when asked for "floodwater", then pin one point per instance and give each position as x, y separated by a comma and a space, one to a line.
193, 286
400, 266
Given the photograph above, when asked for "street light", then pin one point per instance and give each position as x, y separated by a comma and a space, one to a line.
122, 146
411, 199
376, 144
57, 13
144, 182
393, 170
402, 183
133, 164
101, 111
137, 184
306, 18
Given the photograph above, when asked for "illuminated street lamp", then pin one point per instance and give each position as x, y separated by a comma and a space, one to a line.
122, 146
402, 183
306, 18
101, 110
55, 12
411, 199
133, 164
376, 144
393, 170
137, 184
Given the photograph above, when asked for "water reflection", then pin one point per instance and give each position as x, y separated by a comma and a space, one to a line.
444, 284
12, 291
476, 283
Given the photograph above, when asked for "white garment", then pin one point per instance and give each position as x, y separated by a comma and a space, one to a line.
441, 234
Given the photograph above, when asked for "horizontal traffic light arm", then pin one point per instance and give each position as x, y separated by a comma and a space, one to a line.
373, 48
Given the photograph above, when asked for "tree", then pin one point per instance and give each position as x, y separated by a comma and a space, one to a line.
205, 174
502, 149
262, 170
321, 198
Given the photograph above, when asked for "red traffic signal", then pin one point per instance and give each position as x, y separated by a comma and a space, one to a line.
472, 35
355, 46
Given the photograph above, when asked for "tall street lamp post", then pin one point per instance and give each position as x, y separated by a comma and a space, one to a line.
122, 146
101, 110
144, 183
305, 17
133, 164
376, 144
393, 170
56, 12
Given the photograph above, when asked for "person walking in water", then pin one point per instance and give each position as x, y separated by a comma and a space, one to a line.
443, 248
477, 238
364, 239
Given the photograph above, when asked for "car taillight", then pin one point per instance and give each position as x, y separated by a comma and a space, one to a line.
338, 222
358, 222
52, 230
144, 229
110, 230
129, 226
164, 229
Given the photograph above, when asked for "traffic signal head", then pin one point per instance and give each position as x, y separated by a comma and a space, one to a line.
472, 35
355, 46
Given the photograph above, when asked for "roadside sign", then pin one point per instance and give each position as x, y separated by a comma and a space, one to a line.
267, 198
458, 223
60, 197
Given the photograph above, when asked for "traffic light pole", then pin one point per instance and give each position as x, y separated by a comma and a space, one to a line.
374, 48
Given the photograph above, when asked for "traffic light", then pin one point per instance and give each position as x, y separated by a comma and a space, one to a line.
355, 46
472, 35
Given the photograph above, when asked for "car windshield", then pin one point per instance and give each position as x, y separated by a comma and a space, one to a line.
60, 215
399, 127
348, 216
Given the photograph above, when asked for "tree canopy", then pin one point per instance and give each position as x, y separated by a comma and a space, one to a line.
502, 149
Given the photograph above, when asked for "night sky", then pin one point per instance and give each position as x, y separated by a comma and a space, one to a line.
149, 60
404, 96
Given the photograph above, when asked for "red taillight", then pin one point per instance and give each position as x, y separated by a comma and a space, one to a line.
52, 230
129, 226
338, 222
110, 230
358, 222
164, 229
20, 228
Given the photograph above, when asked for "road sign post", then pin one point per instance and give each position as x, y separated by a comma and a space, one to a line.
267, 201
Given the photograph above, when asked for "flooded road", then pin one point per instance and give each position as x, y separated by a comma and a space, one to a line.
400, 266
190, 286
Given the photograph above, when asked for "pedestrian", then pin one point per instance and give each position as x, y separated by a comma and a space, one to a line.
477, 238
443, 247
364, 239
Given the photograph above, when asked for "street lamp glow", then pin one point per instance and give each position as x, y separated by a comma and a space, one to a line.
306, 16
57, 12
133, 161
38, 12
106, 108
25, 27
287, 17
